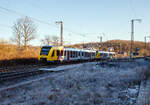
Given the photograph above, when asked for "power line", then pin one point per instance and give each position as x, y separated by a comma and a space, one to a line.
66, 29
34, 5
41, 21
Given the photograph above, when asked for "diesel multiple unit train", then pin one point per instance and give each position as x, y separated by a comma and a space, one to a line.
62, 54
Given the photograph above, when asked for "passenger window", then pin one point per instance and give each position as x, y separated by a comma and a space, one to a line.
58, 53
61, 52
73, 54
76, 54
70, 53
65, 53
53, 53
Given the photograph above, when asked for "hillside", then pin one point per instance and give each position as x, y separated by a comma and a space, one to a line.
119, 46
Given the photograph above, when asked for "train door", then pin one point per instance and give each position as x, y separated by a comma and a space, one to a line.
90, 54
68, 56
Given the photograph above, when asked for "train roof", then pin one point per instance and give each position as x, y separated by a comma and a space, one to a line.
70, 49
75, 49
106, 52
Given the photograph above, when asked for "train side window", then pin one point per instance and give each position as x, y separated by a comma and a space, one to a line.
61, 52
58, 53
65, 53
53, 53
73, 54
70, 53
101, 54
76, 53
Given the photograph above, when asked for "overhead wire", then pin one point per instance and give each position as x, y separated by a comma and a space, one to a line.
41, 9
41, 21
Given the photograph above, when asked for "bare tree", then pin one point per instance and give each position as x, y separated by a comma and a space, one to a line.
17, 31
47, 40
24, 30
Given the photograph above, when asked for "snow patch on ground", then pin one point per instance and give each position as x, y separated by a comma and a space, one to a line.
87, 83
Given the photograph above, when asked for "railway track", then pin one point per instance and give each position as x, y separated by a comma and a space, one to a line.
31, 71
8, 75
14, 75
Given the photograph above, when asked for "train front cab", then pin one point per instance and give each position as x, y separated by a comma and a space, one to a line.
56, 54
44, 53
103, 55
97, 55
51, 54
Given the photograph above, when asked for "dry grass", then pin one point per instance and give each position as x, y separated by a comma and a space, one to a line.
11, 55
9, 52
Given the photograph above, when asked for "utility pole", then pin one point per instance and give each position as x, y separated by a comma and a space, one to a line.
132, 35
145, 42
101, 41
61, 31
101, 38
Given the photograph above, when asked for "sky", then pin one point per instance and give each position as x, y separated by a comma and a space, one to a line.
84, 20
